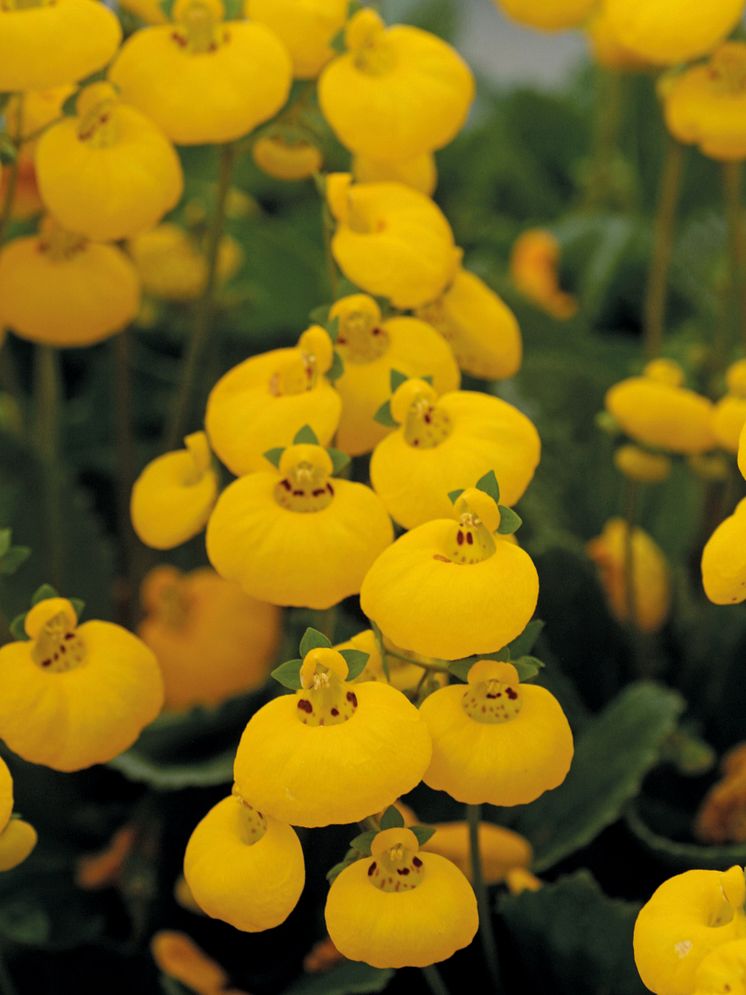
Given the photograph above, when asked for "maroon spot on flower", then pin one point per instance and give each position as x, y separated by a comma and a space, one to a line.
403, 871
286, 485
46, 663
299, 493
372, 869
305, 705
352, 698
416, 861
69, 635
335, 712
470, 538
319, 491
428, 418
511, 693
460, 537
330, 489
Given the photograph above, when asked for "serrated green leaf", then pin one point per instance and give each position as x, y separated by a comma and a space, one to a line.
336, 370
396, 379
312, 639
488, 483
274, 456
306, 436
384, 417
349, 978
288, 674
524, 643
340, 461
423, 833
362, 842
392, 818
510, 521
356, 661
527, 667
453, 496
43, 593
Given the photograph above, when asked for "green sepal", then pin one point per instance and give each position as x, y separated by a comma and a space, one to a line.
461, 668
453, 496
392, 818
356, 661
488, 483
233, 9
306, 436
43, 593
17, 628
362, 842
288, 674
6, 541
275, 455
79, 606
339, 460
396, 379
319, 180
608, 424
14, 559
428, 378
527, 667
312, 639
332, 327
423, 833
336, 370
384, 417
319, 315
510, 521
524, 643
167, 6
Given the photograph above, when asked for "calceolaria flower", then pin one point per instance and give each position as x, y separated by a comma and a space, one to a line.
401, 907
606, 48
370, 347
496, 740
451, 588
445, 443
391, 240
641, 465
397, 92
534, 268
419, 173
724, 560
333, 751
294, 536
108, 173
284, 159
688, 917
265, 401
174, 495
179, 957
244, 867
400, 672
211, 639
722, 972
722, 815
548, 15
480, 328
75, 695
17, 838
729, 416
91, 290
45, 43
203, 79
305, 27
171, 265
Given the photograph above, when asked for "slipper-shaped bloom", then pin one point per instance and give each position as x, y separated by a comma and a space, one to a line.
75, 695
641, 465
451, 588
729, 416
172, 266
495, 740
305, 27
51, 42
264, 402
371, 348
285, 159
210, 639
445, 443
534, 269
244, 867
480, 328
723, 972
17, 838
688, 917
666, 32
174, 495
419, 173
109, 173
177, 956
333, 751
724, 560
548, 15
295, 537
91, 290
606, 48
402, 906
203, 79
397, 92
399, 672
391, 240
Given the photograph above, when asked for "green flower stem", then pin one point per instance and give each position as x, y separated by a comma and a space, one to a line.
327, 228
609, 108
131, 548
656, 295
194, 357
733, 188
10, 189
473, 817
48, 411
326, 621
433, 980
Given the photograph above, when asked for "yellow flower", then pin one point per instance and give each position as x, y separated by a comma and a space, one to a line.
651, 583
479, 327
17, 838
548, 15
402, 674
666, 32
295, 537
449, 588
91, 291
371, 348
729, 416
495, 741
305, 27
333, 752
638, 464
104, 868
401, 907
662, 414
195, 617
174, 495
150, 11
724, 560
75, 695
723, 972
204, 79
534, 268
518, 880
276, 156
179, 957
445, 443
397, 92
45, 43
722, 815
391, 240
244, 867
606, 48
742, 452
263, 402
501, 850
688, 917
108, 173
420, 172
171, 266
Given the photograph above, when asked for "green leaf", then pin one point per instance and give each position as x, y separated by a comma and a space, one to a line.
510, 521
340, 461
356, 661
274, 455
78, 606
362, 842
392, 818
13, 559
337, 368
384, 417
319, 315
628, 736
6, 541
488, 483
312, 639
137, 766
524, 643
453, 496
349, 978
423, 833
43, 593
167, 6
288, 674
679, 855
396, 379
461, 668
527, 667
17, 628
307, 436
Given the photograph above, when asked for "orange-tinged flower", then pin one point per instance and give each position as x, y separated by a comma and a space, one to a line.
722, 815
179, 957
534, 267
100, 870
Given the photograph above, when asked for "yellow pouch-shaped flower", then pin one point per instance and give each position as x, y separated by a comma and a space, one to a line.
210, 639
666, 32
548, 15
449, 588
639, 464
534, 268
264, 402
401, 907
294, 536
286, 160
91, 291
729, 416
244, 867
150, 11
496, 741
724, 560
179, 957
402, 674
45, 43
445, 443
479, 327
688, 917
203, 79
75, 695
109, 173
605, 46
371, 348
391, 240
419, 173
17, 841
723, 972
397, 92
171, 266
174, 495
305, 27
501, 850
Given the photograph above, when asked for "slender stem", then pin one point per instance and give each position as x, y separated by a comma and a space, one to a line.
48, 410
656, 295
325, 621
10, 381
609, 105
125, 471
434, 981
12, 178
473, 817
733, 186
327, 229
195, 353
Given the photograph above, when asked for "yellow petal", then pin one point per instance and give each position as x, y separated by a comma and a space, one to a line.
17, 841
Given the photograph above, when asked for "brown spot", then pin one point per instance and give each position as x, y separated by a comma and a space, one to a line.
470, 538
305, 705
460, 537
372, 869
352, 698
403, 871
416, 861
511, 693
335, 712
